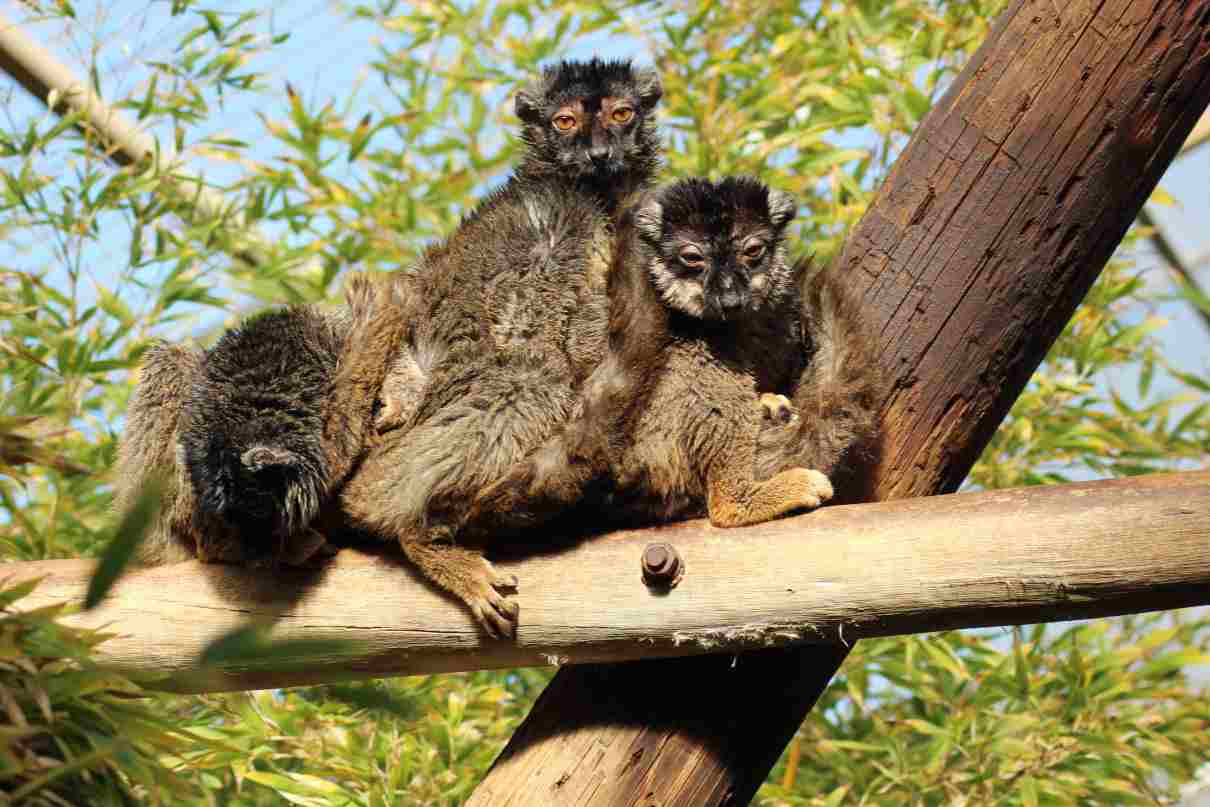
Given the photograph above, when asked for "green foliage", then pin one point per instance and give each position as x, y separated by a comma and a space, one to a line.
1091, 713
815, 97
69, 728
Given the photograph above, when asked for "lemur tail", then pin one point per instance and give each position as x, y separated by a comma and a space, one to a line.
837, 397
379, 317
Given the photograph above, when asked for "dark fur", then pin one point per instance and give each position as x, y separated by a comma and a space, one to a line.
252, 433
511, 318
734, 326
257, 431
609, 162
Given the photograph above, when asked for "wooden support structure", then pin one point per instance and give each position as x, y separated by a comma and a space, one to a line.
1010, 197
833, 576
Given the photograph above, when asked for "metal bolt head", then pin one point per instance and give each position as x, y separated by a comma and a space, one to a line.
662, 565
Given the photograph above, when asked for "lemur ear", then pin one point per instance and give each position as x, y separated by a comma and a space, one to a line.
263, 457
649, 217
783, 207
528, 103
648, 86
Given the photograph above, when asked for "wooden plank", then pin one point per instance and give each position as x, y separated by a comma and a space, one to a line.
841, 573
987, 233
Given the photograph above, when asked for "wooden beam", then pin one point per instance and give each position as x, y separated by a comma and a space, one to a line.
998, 216
833, 576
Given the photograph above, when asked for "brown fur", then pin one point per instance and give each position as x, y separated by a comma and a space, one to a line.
694, 368
836, 397
370, 330
511, 318
834, 393
148, 449
590, 444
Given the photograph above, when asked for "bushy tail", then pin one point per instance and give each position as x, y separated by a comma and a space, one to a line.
838, 395
147, 452
379, 314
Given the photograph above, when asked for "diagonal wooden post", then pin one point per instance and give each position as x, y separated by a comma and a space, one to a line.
995, 221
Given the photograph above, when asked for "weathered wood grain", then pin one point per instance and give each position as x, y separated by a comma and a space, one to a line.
994, 222
999, 558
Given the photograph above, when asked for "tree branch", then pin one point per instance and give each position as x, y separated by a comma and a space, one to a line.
39, 72
841, 573
1168, 252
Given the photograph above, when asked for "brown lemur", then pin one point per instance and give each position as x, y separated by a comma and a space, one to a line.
585, 126
511, 317
251, 436
672, 414
603, 144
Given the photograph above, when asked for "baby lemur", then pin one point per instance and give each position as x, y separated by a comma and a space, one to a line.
512, 316
712, 315
252, 435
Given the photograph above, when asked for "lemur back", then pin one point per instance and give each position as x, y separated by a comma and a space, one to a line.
255, 433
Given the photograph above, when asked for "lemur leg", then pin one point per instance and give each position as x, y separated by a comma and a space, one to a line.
416, 485
469, 576
734, 498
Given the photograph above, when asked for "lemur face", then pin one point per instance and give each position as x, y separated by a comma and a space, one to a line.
719, 245
591, 120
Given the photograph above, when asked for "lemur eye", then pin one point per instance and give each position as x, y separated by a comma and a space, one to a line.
564, 123
754, 250
622, 114
692, 257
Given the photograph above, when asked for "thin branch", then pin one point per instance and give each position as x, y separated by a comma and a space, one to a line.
1168, 252
39, 72
835, 575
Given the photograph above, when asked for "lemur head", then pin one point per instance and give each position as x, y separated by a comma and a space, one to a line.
718, 247
592, 122
251, 442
